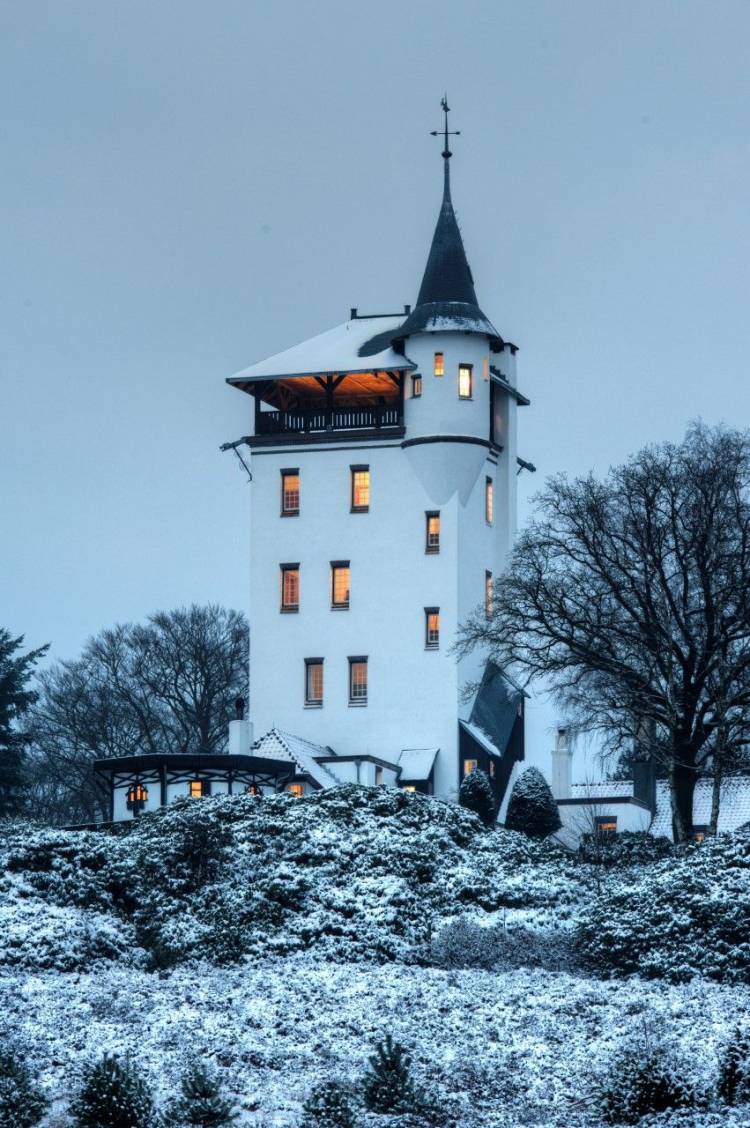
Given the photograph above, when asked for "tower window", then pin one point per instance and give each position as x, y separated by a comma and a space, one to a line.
486, 368
432, 532
290, 493
313, 681
197, 788
357, 681
340, 583
360, 489
432, 628
289, 587
464, 381
489, 501
416, 385
439, 368
488, 594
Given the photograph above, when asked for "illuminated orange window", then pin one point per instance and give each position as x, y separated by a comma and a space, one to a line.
357, 681
289, 493
360, 489
439, 368
289, 587
489, 501
408, 787
488, 594
313, 681
464, 381
606, 826
432, 627
486, 368
340, 585
470, 766
296, 789
432, 537
197, 788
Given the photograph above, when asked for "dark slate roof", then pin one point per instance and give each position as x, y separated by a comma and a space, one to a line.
496, 706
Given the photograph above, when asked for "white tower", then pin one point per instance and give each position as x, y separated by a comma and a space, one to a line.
383, 506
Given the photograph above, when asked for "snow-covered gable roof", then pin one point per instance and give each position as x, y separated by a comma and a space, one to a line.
277, 744
416, 763
734, 805
482, 738
335, 351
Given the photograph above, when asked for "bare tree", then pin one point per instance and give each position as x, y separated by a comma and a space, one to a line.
632, 594
164, 686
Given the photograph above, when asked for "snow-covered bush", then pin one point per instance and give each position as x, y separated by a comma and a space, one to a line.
532, 808
22, 1104
113, 1095
687, 915
201, 1104
628, 848
388, 1086
734, 1070
328, 1106
35, 935
464, 943
475, 794
643, 1080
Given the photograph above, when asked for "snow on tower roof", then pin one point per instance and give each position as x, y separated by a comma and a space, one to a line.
335, 351
277, 744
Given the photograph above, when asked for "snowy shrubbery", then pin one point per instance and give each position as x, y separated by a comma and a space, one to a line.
628, 848
475, 794
687, 915
463, 943
532, 809
22, 1104
645, 1080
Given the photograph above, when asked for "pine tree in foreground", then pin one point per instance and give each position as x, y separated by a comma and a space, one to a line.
532, 808
113, 1096
21, 1103
476, 794
201, 1104
388, 1087
734, 1070
328, 1106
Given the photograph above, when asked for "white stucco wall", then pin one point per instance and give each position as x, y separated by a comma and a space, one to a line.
579, 818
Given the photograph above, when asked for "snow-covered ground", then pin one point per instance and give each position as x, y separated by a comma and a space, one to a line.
501, 1049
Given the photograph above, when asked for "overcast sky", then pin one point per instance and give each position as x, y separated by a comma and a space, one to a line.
188, 187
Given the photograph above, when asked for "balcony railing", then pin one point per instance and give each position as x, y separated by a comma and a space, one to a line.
336, 419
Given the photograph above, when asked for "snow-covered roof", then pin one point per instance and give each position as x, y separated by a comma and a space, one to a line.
481, 738
734, 805
336, 350
416, 763
278, 744
607, 789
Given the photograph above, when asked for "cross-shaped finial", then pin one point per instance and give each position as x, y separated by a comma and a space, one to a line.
445, 131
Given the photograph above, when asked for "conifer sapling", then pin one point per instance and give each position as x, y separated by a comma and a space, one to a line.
113, 1095
21, 1103
328, 1106
476, 794
201, 1103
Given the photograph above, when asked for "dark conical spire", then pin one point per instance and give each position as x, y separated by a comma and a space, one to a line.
447, 276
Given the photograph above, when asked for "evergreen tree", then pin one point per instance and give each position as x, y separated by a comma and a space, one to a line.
328, 1106
475, 793
113, 1096
201, 1103
532, 808
734, 1070
388, 1087
21, 1103
15, 699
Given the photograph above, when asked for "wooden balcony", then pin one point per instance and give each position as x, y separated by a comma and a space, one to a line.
328, 424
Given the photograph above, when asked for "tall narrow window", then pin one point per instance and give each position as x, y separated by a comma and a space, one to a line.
289, 493
486, 368
464, 381
416, 386
340, 583
432, 532
432, 627
488, 594
313, 681
360, 489
489, 501
470, 766
357, 681
289, 587
439, 368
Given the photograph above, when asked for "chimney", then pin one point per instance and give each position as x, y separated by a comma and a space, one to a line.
562, 764
240, 737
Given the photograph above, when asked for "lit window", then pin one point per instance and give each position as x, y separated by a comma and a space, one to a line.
700, 833
439, 365
464, 381
488, 594
296, 789
360, 489
289, 493
470, 766
253, 789
486, 368
137, 797
605, 826
432, 627
289, 587
489, 501
416, 385
197, 788
408, 787
378, 777
339, 583
357, 681
432, 534
313, 681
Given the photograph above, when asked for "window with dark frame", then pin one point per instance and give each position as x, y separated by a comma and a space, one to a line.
360, 491
432, 628
470, 766
605, 826
489, 501
439, 368
488, 594
313, 681
289, 587
340, 584
432, 531
464, 381
416, 385
197, 788
290, 491
358, 681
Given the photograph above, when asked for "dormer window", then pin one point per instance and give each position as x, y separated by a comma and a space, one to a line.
439, 368
464, 381
290, 493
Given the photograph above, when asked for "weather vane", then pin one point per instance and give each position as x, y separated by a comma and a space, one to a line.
445, 131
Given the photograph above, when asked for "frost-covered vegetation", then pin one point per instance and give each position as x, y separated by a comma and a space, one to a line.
274, 943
